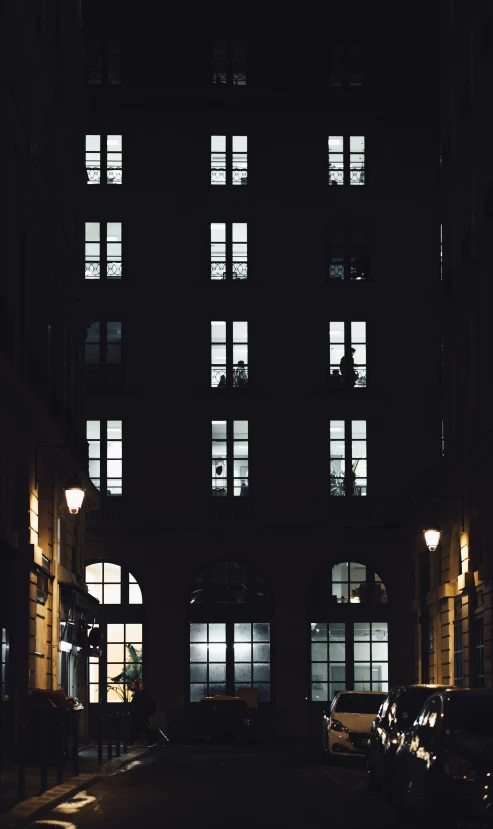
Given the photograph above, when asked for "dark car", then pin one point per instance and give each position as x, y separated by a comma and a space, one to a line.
444, 763
397, 713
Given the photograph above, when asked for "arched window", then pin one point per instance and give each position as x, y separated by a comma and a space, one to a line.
121, 623
230, 624
349, 643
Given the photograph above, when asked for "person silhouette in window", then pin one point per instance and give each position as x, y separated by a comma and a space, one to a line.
243, 488
335, 378
222, 381
240, 375
349, 375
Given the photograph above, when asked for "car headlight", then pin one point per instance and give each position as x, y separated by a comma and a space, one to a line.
459, 768
336, 725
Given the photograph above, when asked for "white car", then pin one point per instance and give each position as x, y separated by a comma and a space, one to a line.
346, 726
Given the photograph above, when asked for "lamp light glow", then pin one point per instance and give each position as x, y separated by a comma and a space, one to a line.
432, 539
74, 495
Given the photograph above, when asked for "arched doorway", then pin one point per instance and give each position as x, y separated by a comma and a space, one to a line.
230, 613
121, 622
348, 631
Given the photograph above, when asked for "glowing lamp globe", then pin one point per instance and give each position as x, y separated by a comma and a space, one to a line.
432, 538
74, 495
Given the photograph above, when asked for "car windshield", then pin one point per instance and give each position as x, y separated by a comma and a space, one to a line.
471, 716
359, 703
411, 703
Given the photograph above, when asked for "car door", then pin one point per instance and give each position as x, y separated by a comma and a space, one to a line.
379, 736
421, 755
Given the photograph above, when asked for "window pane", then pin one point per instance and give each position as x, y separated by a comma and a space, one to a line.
218, 143
94, 573
94, 693
243, 672
261, 672
197, 692
261, 631
217, 632
198, 653
134, 594
112, 594
243, 652
217, 653
96, 590
198, 672
319, 672
261, 653
319, 631
115, 633
243, 632
320, 692
133, 633
198, 632
93, 429
112, 573
319, 652
115, 653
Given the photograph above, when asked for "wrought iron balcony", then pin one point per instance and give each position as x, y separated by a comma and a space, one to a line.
356, 174
355, 270
114, 270
219, 270
221, 378
113, 175
93, 270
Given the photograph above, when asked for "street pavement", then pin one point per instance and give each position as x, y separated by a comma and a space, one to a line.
180, 787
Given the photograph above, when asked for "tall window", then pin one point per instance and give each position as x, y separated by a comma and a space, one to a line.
347, 651
229, 250
103, 260
229, 159
347, 354
229, 64
103, 352
348, 251
121, 624
458, 654
104, 153
346, 159
103, 63
105, 455
230, 439
229, 354
348, 458
478, 634
5, 683
233, 651
346, 67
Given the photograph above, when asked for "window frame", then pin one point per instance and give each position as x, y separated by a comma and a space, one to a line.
351, 173
231, 263
237, 377
103, 372
103, 63
104, 479
360, 368
230, 458
227, 160
355, 259
228, 69
102, 164
346, 484
105, 261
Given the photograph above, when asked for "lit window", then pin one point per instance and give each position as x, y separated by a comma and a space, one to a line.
331, 671
229, 64
229, 438
103, 352
104, 153
105, 455
348, 458
103, 63
229, 252
348, 251
346, 159
120, 663
103, 260
229, 159
229, 354
347, 355
227, 656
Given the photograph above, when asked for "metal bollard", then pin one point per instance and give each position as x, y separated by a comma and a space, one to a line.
110, 736
21, 770
117, 734
75, 744
44, 757
100, 741
60, 750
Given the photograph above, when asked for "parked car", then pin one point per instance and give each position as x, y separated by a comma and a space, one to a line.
397, 713
346, 726
444, 762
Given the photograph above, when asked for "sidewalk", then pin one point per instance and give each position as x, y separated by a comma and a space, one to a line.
14, 814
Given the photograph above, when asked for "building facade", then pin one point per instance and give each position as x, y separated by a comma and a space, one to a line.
452, 606
45, 607
261, 287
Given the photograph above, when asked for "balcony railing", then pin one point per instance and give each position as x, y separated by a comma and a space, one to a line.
221, 378
356, 174
336, 379
339, 485
113, 175
93, 270
356, 270
219, 270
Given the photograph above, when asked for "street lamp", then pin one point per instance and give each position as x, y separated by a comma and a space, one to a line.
74, 494
432, 539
